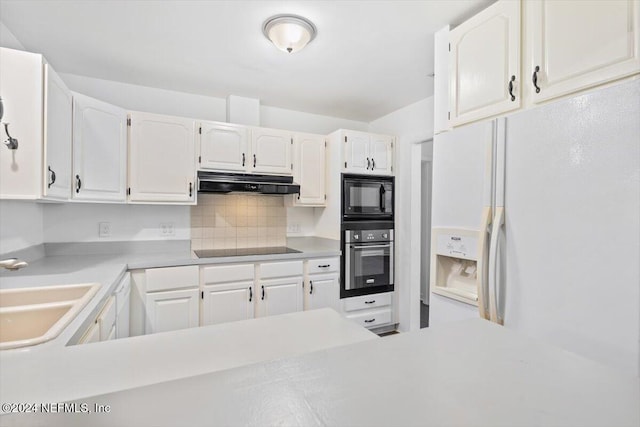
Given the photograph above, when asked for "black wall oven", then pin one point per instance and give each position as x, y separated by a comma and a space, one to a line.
367, 198
367, 262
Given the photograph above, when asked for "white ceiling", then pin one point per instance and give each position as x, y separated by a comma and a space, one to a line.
369, 58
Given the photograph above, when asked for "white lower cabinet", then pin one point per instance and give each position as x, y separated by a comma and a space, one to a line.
322, 290
171, 300
103, 326
123, 307
228, 293
227, 303
171, 310
322, 284
279, 288
372, 318
91, 335
370, 311
280, 296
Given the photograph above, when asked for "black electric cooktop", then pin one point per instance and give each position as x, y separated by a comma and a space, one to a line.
270, 250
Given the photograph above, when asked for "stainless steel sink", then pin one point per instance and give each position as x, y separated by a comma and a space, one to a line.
31, 316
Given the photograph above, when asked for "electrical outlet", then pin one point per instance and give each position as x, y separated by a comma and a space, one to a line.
293, 228
166, 229
104, 229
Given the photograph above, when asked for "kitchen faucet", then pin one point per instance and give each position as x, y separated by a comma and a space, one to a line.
13, 264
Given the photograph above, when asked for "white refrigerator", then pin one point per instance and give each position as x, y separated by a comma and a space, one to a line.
539, 214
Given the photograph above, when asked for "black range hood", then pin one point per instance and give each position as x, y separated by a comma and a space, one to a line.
217, 182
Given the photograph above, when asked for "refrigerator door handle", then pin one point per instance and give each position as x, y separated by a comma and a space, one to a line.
483, 263
493, 266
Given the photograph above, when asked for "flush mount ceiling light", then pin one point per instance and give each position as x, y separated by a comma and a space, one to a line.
289, 33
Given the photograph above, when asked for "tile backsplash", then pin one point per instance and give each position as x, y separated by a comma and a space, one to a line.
228, 221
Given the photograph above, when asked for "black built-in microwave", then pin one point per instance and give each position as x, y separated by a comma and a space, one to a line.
367, 198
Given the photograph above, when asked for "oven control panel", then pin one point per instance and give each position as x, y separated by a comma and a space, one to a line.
368, 236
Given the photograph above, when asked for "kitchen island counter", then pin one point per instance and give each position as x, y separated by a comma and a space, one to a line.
470, 373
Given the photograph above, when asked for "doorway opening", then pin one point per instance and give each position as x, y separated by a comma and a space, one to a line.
426, 174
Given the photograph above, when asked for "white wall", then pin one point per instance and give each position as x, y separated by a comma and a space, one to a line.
280, 118
20, 225
7, 39
411, 124
148, 99
79, 222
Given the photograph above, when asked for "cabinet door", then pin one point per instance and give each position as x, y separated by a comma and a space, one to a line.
99, 150
578, 44
172, 310
223, 146
356, 152
280, 296
271, 151
322, 291
309, 169
484, 58
107, 318
92, 334
161, 159
58, 105
441, 80
381, 154
21, 77
227, 303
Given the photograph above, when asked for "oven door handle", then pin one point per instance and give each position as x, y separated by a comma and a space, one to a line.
383, 202
371, 246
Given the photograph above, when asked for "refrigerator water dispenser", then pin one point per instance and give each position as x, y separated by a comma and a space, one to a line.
454, 264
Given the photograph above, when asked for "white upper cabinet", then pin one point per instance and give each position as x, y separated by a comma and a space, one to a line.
356, 152
271, 151
381, 150
485, 64
223, 146
573, 45
441, 81
309, 169
58, 106
366, 153
161, 159
37, 118
99, 150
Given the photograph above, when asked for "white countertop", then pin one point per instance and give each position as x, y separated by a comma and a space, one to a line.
68, 373
471, 373
75, 263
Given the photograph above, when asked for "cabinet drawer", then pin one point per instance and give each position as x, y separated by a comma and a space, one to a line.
372, 318
323, 265
227, 273
367, 301
281, 269
162, 279
107, 318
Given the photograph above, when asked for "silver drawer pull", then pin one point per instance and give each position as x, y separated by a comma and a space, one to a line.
370, 320
370, 302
